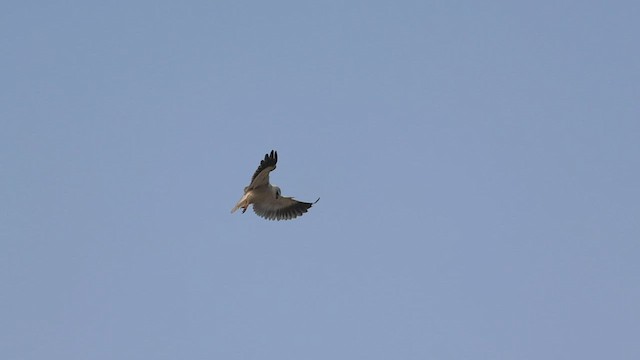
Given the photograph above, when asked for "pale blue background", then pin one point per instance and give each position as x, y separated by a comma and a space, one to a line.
478, 165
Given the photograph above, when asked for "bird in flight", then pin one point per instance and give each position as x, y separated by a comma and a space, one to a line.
266, 198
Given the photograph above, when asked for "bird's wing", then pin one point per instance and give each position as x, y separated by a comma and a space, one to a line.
261, 176
282, 208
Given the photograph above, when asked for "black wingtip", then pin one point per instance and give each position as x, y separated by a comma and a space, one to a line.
270, 158
273, 155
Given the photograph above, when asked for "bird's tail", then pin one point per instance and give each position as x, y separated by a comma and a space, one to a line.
242, 203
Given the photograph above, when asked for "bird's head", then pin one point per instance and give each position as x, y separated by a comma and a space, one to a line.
276, 191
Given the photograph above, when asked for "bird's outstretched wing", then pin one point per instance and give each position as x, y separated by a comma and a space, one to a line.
282, 208
261, 176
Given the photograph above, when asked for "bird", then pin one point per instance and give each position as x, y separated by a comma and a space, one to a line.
267, 199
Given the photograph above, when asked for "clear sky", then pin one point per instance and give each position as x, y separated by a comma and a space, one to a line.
478, 164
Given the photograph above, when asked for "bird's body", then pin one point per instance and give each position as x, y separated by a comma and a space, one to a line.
266, 198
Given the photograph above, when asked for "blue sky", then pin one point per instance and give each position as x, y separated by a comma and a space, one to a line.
478, 165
